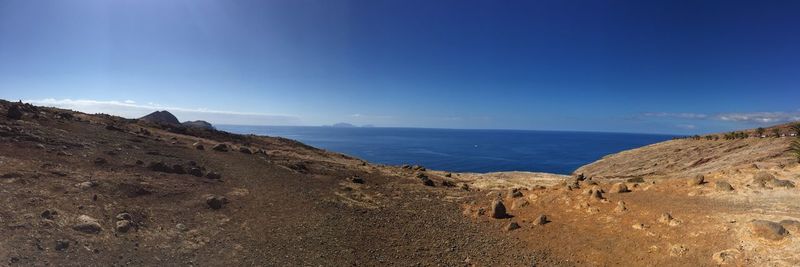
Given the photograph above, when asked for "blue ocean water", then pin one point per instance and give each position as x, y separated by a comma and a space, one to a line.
462, 150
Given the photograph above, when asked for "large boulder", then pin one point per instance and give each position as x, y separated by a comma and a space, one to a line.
696, 180
220, 147
499, 210
723, 186
87, 225
619, 188
768, 230
216, 202
14, 112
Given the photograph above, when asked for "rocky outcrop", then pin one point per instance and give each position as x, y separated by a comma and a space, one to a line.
161, 117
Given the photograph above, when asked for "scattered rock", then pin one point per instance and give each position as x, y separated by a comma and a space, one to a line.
519, 203
199, 146
791, 225
596, 194
768, 230
696, 180
499, 210
639, 226
667, 219
512, 226
448, 175
465, 187
782, 183
541, 220
357, 180
620, 207
635, 180
677, 250
181, 227
159, 167
726, 257
61, 245
14, 112
220, 148
619, 188
49, 214
723, 186
86, 185
124, 216
245, 150
87, 225
515, 193
213, 176
448, 183
195, 171
425, 180
763, 178
419, 168
178, 169
216, 202
123, 226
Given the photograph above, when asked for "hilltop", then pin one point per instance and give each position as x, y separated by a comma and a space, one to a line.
82, 189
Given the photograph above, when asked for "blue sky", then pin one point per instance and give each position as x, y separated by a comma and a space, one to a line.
624, 66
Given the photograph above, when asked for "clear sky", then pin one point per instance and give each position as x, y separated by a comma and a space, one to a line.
624, 66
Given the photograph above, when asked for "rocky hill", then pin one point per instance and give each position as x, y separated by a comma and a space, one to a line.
99, 190
161, 117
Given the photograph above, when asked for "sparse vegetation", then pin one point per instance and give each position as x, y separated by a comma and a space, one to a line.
795, 146
776, 132
760, 132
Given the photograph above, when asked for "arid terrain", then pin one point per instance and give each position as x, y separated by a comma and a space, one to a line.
99, 190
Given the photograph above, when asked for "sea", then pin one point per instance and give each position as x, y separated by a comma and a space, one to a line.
460, 150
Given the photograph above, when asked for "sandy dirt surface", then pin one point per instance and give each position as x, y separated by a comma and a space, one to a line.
96, 190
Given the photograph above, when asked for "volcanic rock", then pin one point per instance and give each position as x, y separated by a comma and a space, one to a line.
87, 225
498, 210
768, 230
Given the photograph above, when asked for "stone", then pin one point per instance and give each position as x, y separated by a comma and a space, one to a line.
512, 226
100, 161
425, 180
181, 227
86, 185
763, 178
448, 183
178, 169
357, 180
124, 216
768, 230
498, 210
636, 180
123, 226
619, 188
213, 176
49, 214
87, 225
665, 218
519, 203
696, 180
782, 183
596, 194
639, 226
515, 193
195, 171
726, 257
159, 167
61, 245
220, 147
245, 150
216, 202
621, 207
791, 225
199, 146
14, 112
723, 186
541, 220
678, 250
